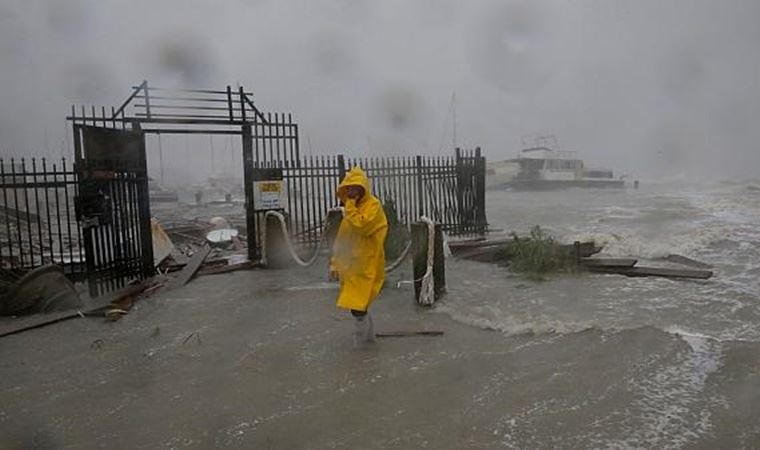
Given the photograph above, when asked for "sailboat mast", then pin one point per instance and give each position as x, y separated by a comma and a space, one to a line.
454, 118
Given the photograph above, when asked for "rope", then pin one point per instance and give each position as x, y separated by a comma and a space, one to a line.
427, 288
291, 249
395, 264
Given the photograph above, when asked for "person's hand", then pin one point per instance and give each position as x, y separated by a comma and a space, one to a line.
333, 276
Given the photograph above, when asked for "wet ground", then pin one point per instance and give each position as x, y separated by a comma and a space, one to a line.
262, 359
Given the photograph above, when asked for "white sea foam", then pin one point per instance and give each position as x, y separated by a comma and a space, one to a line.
670, 402
626, 243
496, 319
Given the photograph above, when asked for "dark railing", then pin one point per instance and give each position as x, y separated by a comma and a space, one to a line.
189, 106
37, 220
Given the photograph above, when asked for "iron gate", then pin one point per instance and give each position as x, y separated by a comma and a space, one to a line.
113, 207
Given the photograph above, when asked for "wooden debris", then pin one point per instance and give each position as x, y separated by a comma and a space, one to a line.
678, 259
229, 268
15, 326
493, 251
654, 271
385, 334
608, 262
237, 244
192, 266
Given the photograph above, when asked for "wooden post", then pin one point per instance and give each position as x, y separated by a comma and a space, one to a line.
439, 264
419, 259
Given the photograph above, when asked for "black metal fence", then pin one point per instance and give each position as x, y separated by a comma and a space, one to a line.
37, 221
448, 189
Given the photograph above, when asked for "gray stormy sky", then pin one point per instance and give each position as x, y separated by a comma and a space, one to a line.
653, 88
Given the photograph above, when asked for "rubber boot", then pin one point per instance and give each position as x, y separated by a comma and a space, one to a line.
369, 336
360, 330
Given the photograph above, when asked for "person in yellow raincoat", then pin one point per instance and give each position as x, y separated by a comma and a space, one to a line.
358, 259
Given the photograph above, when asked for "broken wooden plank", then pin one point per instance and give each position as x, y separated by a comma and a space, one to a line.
608, 262
496, 251
191, 267
385, 334
488, 254
13, 326
678, 259
229, 268
654, 271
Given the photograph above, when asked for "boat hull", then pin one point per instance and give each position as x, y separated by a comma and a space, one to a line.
556, 185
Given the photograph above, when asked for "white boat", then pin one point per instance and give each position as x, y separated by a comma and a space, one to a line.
541, 167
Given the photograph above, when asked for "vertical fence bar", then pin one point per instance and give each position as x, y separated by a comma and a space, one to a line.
28, 215
242, 103
6, 213
287, 180
18, 213
229, 104
341, 168
115, 229
256, 137
420, 198
297, 142
80, 233
67, 207
277, 136
320, 197
47, 209
37, 210
122, 215
329, 194
58, 214
298, 221
128, 199
312, 216
452, 186
269, 136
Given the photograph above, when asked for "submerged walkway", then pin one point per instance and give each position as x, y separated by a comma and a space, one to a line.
262, 359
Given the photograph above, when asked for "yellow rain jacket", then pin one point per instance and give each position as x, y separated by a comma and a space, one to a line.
359, 249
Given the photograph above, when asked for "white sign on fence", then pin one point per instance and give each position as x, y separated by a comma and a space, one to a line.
269, 195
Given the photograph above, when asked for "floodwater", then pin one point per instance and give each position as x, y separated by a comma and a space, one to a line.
262, 358
686, 350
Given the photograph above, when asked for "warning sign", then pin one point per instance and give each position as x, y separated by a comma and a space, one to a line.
269, 195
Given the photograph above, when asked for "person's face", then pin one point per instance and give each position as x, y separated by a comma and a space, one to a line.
354, 192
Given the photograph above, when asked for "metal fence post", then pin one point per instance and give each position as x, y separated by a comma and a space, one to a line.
341, 168
250, 215
420, 193
480, 191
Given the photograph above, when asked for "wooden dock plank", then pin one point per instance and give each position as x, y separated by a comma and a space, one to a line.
609, 262
654, 271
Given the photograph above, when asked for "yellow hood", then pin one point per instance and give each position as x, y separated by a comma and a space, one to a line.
354, 177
